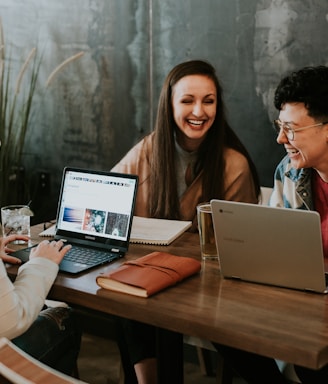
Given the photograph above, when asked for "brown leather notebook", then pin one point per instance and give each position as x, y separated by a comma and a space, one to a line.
149, 274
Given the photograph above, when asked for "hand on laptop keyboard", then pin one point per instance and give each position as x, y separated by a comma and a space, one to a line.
54, 250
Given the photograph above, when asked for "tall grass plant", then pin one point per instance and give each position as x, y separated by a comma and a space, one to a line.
16, 103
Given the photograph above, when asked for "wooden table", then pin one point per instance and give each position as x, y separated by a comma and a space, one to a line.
284, 324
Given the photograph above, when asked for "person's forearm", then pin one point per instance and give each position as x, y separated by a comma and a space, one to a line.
22, 301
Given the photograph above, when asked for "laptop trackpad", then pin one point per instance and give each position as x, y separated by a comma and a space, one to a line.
23, 254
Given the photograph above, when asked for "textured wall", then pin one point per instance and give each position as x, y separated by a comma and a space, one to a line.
99, 106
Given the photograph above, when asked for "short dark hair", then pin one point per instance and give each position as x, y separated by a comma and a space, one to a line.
308, 85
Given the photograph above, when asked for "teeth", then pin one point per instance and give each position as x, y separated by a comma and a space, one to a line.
195, 122
292, 151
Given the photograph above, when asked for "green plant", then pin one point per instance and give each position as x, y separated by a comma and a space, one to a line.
16, 103
14, 119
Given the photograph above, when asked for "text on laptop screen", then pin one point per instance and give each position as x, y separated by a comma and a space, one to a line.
96, 204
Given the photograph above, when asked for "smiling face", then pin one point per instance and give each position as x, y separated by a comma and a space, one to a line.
309, 148
194, 104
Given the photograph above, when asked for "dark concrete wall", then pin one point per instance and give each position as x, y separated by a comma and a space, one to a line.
101, 105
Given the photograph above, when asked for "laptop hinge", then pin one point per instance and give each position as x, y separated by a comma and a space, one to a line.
234, 277
115, 250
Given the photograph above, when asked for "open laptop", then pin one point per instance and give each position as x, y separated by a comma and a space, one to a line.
95, 212
275, 246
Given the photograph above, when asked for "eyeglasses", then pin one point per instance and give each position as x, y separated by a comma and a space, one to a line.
290, 132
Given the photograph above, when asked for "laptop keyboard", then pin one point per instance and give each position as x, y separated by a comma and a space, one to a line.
88, 256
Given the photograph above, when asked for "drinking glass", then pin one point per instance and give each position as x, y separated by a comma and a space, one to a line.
206, 231
15, 220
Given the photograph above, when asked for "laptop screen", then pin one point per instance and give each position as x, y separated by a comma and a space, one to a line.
96, 206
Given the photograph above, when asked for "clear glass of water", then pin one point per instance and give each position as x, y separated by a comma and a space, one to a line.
15, 220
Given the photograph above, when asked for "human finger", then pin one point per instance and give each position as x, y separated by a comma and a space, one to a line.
9, 239
10, 259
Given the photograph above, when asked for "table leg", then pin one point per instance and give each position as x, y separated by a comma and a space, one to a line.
170, 357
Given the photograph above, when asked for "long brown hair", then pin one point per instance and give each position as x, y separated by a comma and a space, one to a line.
164, 200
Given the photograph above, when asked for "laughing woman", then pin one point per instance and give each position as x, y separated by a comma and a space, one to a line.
192, 156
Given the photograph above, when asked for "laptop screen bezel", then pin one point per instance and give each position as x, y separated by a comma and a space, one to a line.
94, 240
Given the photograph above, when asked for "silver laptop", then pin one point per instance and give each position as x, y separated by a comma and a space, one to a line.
94, 214
274, 246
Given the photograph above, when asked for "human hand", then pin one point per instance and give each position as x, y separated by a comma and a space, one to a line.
5, 250
53, 250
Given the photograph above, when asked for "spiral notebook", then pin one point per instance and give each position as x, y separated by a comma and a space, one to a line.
157, 231
148, 230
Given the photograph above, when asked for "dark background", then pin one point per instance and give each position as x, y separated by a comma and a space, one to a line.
102, 104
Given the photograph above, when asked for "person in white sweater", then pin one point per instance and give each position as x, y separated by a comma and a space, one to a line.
50, 335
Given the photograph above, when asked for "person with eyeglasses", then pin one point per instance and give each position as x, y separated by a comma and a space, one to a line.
300, 182
301, 178
289, 131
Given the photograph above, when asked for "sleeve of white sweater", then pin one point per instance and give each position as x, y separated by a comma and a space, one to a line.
21, 301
